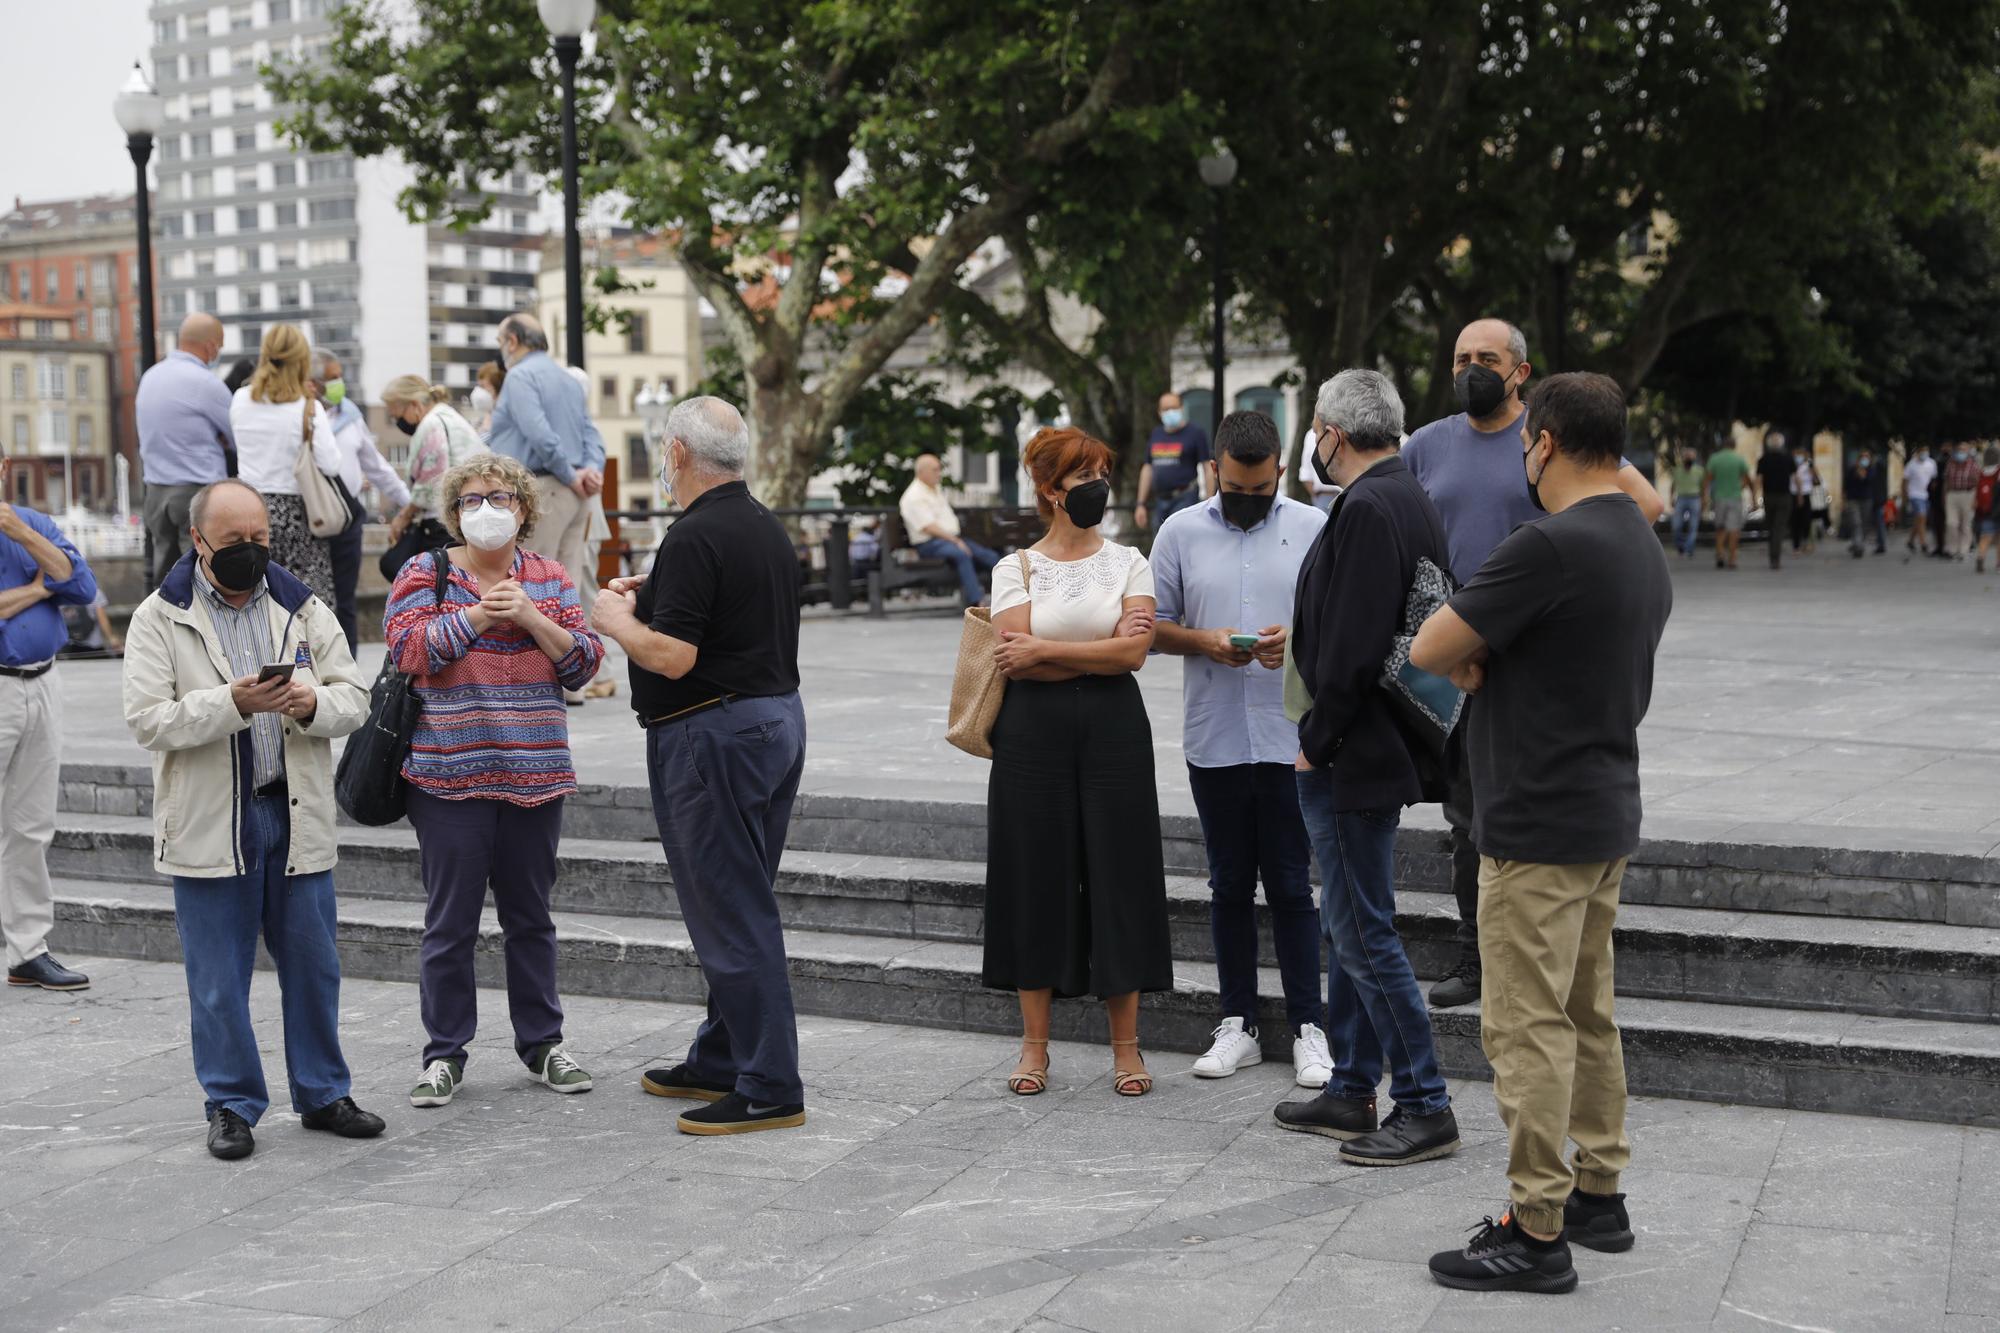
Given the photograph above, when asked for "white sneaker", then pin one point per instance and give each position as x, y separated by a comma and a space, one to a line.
1312, 1062
1235, 1046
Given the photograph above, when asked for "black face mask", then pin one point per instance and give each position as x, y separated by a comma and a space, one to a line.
1534, 483
1480, 390
1321, 468
1085, 504
239, 566
406, 427
1246, 511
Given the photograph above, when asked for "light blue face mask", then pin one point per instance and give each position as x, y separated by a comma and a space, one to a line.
1173, 418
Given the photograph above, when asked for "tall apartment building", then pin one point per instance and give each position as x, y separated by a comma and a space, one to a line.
258, 233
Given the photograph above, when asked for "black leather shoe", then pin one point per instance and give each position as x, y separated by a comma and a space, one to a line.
345, 1119
1335, 1117
229, 1136
678, 1082
44, 971
1403, 1139
1598, 1222
1460, 985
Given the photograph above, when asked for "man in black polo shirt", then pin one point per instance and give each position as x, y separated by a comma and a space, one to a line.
713, 637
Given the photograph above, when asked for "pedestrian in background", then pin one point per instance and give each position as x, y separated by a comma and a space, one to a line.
930, 525
486, 395
1076, 894
1864, 492
1918, 474
40, 572
1558, 633
1356, 769
1689, 478
1804, 490
182, 415
1469, 464
243, 809
1223, 571
273, 418
1986, 504
440, 440
489, 764
1171, 478
1727, 481
361, 467
1961, 489
1774, 484
713, 638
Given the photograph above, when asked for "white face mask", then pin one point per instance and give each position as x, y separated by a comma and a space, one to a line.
488, 528
482, 398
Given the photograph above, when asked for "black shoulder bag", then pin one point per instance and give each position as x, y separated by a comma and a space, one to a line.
369, 784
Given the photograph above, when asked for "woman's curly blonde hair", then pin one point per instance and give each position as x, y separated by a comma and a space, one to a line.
511, 476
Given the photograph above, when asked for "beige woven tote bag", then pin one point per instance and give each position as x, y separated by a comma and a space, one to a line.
977, 686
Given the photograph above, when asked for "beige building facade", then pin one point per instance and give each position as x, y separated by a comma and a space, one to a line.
55, 410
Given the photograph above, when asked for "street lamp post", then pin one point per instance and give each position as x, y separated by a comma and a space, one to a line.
1218, 169
567, 20
141, 112
1561, 252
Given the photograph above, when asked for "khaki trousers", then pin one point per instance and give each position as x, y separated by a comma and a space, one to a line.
563, 534
30, 731
1546, 1024
1958, 522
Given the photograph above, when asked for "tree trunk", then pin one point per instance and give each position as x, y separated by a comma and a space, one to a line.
786, 440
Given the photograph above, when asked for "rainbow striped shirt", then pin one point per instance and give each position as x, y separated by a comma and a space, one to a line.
494, 724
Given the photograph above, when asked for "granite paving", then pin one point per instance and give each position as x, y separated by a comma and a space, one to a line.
920, 1195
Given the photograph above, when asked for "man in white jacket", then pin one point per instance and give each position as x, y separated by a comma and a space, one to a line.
237, 678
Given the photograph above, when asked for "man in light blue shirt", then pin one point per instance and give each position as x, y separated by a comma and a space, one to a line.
182, 412
543, 420
1230, 566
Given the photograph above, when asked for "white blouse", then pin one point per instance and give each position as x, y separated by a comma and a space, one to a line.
268, 439
1073, 601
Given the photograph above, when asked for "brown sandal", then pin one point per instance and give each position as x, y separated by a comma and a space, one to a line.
1035, 1080
1128, 1083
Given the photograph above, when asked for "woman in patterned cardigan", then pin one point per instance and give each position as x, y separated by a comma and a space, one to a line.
489, 763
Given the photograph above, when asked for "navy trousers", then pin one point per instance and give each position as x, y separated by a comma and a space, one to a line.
723, 785
1250, 824
467, 847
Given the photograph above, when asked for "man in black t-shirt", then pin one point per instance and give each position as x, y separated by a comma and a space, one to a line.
713, 638
1774, 480
1557, 632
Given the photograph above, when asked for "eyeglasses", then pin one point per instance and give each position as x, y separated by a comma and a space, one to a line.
469, 503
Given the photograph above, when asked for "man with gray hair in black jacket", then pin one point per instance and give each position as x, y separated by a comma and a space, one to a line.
1357, 769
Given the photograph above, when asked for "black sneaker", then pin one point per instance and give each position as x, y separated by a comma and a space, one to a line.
678, 1082
1502, 1257
229, 1136
1460, 985
345, 1119
1403, 1139
1334, 1117
737, 1114
1597, 1222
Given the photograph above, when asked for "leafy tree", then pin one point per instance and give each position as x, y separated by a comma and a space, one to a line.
829, 168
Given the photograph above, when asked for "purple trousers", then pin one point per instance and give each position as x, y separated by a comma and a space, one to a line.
468, 847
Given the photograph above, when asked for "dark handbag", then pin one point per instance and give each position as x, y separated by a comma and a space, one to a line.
426, 534
369, 784
1427, 706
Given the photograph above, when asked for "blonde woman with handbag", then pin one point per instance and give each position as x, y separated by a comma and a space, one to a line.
1075, 887
274, 419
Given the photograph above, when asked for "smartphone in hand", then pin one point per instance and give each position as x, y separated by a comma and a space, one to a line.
1244, 641
276, 671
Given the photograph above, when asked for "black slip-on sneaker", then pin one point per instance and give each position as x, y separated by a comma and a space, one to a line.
1598, 1222
1502, 1257
1334, 1117
678, 1082
1460, 985
1403, 1139
737, 1114
229, 1136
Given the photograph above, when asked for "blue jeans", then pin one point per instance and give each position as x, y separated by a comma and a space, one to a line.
1687, 522
1375, 1013
970, 563
219, 921
723, 784
1250, 825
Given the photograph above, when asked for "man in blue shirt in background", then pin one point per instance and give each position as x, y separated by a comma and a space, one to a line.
182, 412
39, 570
1171, 479
1231, 566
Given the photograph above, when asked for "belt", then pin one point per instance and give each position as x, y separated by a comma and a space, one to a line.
690, 710
272, 790
28, 672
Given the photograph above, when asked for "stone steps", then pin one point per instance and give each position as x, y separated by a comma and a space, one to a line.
1881, 968
1829, 1061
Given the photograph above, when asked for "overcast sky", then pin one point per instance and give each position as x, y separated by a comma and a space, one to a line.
64, 61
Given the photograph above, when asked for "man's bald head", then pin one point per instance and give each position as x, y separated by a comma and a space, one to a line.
223, 513
201, 335
1493, 343
930, 469
519, 335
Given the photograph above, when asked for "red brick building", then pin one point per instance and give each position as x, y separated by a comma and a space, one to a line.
82, 255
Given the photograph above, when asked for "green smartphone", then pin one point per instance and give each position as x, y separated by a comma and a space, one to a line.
1244, 641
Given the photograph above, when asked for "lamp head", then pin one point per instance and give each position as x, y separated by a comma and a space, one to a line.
140, 110
1561, 247
1217, 166
567, 18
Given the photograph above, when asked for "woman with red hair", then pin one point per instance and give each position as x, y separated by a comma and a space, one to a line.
1076, 899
